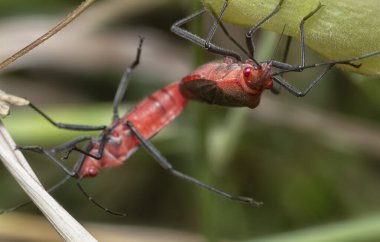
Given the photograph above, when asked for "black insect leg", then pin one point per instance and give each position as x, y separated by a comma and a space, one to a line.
91, 199
342, 61
167, 166
71, 173
302, 31
118, 97
249, 34
68, 126
77, 168
275, 89
176, 28
67, 146
290, 68
225, 31
122, 88
51, 189
72, 146
49, 155
293, 90
287, 67
287, 48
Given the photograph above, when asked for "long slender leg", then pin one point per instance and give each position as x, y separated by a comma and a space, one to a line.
102, 145
249, 34
51, 189
291, 68
167, 166
122, 88
293, 90
176, 28
91, 199
225, 31
72, 173
67, 126
276, 90
70, 144
215, 25
50, 153
302, 31
287, 48
287, 67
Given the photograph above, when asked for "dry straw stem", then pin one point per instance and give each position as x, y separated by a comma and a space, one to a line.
69, 18
8, 99
340, 29
67, 226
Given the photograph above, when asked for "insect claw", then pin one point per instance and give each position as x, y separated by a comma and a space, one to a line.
31, 148
66, 155
253, 202
355, 65
256, 203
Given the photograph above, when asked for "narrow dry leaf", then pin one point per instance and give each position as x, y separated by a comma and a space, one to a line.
66, 226
4, 109
8, 99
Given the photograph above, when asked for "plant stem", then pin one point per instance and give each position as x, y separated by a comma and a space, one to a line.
14, 161
69, 18
207, 212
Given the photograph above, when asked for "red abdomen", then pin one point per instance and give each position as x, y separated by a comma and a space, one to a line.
148, 117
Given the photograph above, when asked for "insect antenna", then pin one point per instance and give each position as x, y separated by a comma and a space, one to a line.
287, 48
91, 199
278, 45
227, 34
276, 89
51, 189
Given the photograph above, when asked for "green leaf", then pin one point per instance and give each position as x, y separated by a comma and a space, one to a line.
340, 29
360, 229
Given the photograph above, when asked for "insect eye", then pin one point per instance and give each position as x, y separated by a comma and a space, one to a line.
92, 172
247, 72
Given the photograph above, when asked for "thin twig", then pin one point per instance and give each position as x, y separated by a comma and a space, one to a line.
73, 15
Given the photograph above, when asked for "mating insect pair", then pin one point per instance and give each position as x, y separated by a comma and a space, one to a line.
229, 82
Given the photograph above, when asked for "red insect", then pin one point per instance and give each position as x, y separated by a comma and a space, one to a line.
122, 138
236, 84
228, 83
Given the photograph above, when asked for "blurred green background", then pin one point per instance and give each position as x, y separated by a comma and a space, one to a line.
314, 162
